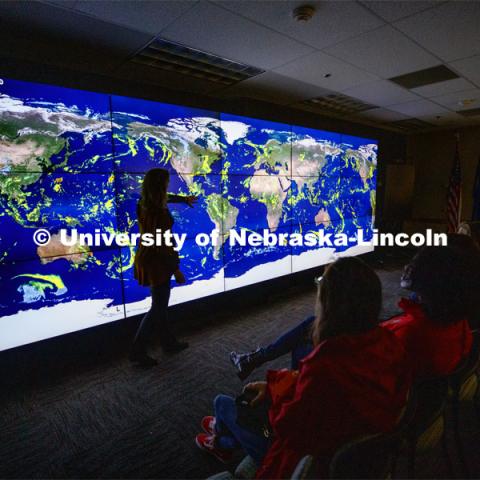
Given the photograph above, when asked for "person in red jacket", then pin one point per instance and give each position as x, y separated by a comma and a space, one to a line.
434, 323
354, 382
433, 326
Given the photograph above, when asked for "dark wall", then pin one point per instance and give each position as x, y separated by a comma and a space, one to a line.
432, 155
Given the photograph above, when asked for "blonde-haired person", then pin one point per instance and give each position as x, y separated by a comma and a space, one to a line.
155, 265
354, 382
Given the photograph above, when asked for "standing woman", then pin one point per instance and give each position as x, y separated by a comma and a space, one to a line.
155, 265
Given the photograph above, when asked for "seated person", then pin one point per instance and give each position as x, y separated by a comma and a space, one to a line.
467, 246
433, 326
354, 382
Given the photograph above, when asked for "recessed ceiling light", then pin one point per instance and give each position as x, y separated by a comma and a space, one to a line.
466, 102
338, 104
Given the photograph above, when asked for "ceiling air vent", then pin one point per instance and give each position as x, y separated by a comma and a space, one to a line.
421, 78
338, 104
471, 112
166, 55
410, 125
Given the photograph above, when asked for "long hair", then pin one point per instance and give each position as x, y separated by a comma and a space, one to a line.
349, 300
154, 189
445, 278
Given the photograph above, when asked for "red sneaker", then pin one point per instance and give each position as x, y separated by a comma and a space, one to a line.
208, 424
207, 443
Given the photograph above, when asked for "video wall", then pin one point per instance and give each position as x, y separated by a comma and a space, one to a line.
76, 159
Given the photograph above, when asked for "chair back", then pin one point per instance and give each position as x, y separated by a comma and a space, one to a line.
431, 400
246, 469
371, 456
304, 469
467, 367
408, 413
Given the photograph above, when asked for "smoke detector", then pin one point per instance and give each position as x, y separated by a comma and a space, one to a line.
303, 13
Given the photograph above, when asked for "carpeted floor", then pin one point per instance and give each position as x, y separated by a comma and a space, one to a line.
94, 416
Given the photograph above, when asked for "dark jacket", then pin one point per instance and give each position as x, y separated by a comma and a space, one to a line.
154, 265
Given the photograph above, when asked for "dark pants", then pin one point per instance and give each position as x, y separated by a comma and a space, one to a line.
230, 435
297, 341
155, 318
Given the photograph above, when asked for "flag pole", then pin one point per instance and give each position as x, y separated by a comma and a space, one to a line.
454, 193
476, 194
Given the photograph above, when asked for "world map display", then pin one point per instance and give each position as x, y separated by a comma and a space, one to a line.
76, 159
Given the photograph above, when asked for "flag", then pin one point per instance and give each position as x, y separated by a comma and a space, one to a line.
476, 195
454, 194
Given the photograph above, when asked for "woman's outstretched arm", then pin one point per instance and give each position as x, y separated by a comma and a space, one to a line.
190, 200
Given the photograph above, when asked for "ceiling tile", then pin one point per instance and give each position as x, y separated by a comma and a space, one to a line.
218, 31
391, 11
453, 100
469, 67
450, 31
418, 108
313, 68
382, 114
275, 88
331, 23
381, 92
69, 27
442, 88
384, 52
149, 16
